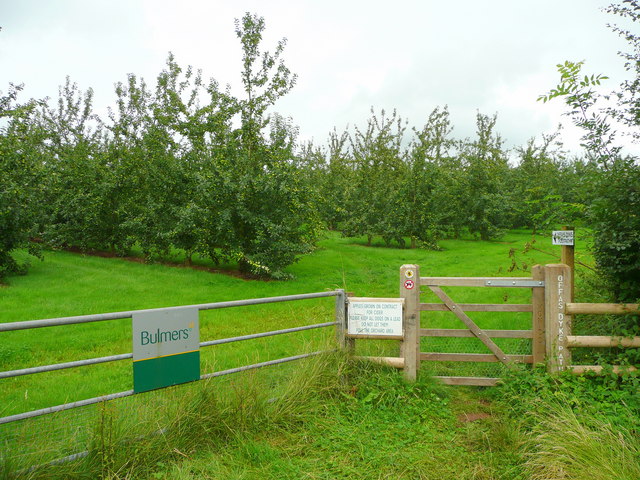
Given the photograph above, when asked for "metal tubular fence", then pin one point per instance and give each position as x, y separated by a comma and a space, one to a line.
101, 317
4, 327
124, 356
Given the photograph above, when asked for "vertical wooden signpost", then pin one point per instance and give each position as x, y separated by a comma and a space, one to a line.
559, 292
538, 349
410, 292
557, 322
567, 256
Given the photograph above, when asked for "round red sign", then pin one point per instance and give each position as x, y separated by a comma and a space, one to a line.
409, 284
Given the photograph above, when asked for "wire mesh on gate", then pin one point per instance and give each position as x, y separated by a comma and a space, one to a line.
47, 438
510, 346
471, 345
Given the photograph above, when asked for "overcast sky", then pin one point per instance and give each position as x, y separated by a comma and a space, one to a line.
492, 56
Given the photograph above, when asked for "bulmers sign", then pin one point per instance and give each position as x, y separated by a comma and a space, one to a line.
166, 348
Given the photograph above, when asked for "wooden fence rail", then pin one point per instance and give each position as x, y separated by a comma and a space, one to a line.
558, 324
601, 308
602, 341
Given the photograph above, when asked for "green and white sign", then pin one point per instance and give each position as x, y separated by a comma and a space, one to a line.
166, 348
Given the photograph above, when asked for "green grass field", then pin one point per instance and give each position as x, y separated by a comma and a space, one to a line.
67, 284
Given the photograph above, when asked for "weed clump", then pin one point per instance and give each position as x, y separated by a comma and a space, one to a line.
575, 427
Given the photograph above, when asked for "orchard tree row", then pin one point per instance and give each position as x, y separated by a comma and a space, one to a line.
381, 181
186, 165
182, 164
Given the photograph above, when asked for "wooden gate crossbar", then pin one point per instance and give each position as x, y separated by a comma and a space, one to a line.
463, 333
473, 357
479, 307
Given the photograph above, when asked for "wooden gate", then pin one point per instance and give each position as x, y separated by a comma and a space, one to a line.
415, 330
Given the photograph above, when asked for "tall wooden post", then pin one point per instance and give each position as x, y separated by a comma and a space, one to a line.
410, 292
567, 256
537, 301
557, 278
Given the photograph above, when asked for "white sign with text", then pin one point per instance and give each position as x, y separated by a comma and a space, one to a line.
562, 237
375, 317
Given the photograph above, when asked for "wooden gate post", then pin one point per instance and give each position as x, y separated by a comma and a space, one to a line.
410, 292
557, 278
537, 301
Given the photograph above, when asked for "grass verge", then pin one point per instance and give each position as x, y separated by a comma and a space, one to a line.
332, 418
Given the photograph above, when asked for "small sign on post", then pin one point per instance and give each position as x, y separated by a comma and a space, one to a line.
562, 237
375, 317
566, 238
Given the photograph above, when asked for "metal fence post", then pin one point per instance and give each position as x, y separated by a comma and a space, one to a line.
341, 318
342, 327
557, 322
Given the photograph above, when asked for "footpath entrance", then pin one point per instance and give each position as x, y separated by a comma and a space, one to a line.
467, 343
460, 343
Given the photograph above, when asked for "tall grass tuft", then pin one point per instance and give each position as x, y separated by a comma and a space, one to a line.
208, 416
563, 446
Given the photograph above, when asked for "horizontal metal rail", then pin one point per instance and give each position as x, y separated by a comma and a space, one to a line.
100, 317
65, 365
65, 406
262, 364
266, 334
128, 393
125, 356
